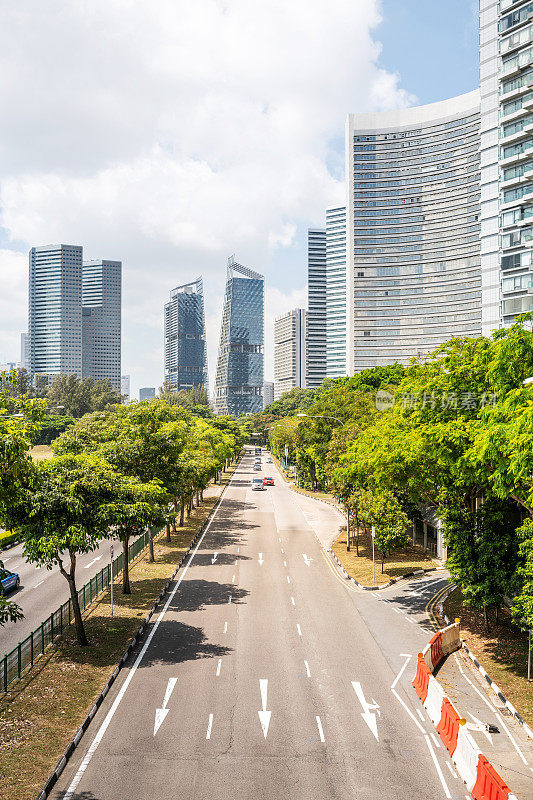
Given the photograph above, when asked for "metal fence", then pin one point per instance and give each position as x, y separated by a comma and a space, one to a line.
24, 654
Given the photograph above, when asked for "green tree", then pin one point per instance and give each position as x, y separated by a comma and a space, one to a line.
79, 397
9, 611
523, 601
382, 511
483, 549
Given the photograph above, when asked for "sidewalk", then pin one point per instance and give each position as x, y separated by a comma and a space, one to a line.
509, 750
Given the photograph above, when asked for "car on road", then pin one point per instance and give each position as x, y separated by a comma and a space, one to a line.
8, 581
269, 460
257, 467
257, 485
268, 481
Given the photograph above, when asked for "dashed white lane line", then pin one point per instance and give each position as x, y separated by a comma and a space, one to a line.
235, 563
435, 740
38, 584
453, 772
279, 540
396, 611
233, 579
320, 729
238, 549
437, 767
307, 670
282, 550
299, 629
292, 601
288, 579
284, 563
226, 627
209, 727
229, 599
219, 666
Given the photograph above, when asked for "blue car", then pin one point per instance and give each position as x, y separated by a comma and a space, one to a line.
8, 581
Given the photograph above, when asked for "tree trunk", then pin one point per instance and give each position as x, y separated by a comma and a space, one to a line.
81, 636
382, 562
197, 498
497, 615
182, 512
151, 557
168, 530
201, 495
126, 589
486, 617
175, 516
189, 507
357, 533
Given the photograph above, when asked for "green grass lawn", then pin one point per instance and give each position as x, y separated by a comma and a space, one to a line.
360, 566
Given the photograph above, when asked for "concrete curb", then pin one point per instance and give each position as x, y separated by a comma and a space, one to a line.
383, 585
74, 742
481, 669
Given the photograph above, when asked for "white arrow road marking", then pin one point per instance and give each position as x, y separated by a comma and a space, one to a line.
161, 713
260, 559
264, 715
209, 726
368, 708
92, 562
306, 559
478, 726
214, 557
320, 729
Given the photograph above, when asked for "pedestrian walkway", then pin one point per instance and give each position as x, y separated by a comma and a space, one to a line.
498, 735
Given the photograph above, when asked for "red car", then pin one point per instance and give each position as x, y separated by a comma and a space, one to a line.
268, 481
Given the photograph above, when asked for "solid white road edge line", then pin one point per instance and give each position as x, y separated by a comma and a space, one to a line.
437, 767
435, 740
209, 726
320, 729
111, 713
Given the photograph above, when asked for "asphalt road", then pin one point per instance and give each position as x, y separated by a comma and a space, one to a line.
265, 677
42, 591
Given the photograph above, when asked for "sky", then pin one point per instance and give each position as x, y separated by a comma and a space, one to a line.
171, 135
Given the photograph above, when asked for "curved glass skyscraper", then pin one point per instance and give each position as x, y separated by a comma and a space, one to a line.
185, 345
239, 378
413, 275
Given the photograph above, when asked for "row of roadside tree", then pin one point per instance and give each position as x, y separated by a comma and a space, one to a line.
117, 473
451, 433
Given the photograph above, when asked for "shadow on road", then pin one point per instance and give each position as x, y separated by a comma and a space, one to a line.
195, 595
177, 642
206, 558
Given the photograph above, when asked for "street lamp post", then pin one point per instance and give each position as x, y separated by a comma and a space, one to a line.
373, 557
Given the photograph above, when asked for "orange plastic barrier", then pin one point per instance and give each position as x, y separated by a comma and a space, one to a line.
436, 650
448, 726
421, 679
489, 785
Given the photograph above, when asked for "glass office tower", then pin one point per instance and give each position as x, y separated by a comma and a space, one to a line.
239, 376
413, 277
185, 339
316, 307
101, 321
55, 318
336, 292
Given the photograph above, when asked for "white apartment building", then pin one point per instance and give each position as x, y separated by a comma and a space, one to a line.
290, 334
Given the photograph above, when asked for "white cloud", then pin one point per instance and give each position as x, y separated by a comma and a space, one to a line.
172, 134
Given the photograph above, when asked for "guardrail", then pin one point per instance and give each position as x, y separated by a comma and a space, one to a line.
23, 656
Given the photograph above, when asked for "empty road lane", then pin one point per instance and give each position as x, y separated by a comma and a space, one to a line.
259, 679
